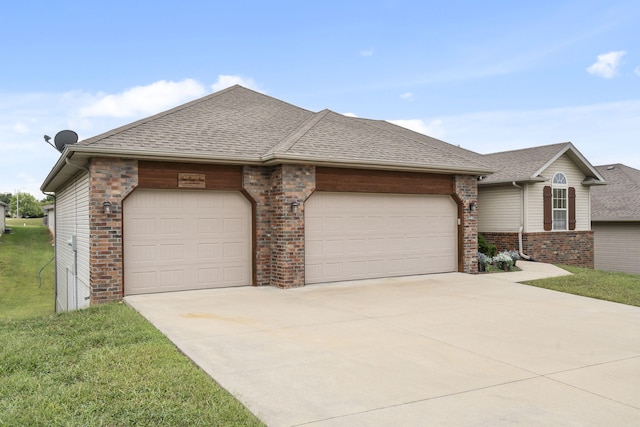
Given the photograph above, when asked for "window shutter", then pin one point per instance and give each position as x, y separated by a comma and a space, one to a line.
548, 214
572, 208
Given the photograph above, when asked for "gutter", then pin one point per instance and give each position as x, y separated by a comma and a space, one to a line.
521, 229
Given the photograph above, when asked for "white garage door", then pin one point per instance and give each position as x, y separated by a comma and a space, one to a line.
360, 236
617, 246
182, 240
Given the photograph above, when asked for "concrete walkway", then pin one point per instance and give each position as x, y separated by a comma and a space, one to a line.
445, 350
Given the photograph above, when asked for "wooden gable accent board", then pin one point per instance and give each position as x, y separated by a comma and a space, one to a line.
378, 181
166, 176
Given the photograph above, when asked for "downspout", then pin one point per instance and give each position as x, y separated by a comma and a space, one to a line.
521, 229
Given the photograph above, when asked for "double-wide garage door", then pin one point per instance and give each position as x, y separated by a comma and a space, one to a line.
359, 236
183, 240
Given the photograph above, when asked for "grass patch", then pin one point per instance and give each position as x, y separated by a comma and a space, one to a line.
22, 254
105, 366
610, 286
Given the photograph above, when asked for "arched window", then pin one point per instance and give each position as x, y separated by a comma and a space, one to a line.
560, 202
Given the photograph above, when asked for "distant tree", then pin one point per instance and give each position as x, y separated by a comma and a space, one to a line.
47, 200
28, 205
6, 197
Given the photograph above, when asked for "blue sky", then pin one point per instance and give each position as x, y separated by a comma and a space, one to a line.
488, 76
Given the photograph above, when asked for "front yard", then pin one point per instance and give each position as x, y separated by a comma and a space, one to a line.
103, 366
617, 287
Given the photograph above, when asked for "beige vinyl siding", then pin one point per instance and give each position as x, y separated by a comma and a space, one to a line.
534, 200
72, 219
499, 209
617, 246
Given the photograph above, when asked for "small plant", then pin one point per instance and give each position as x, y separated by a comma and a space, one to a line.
503, 261
483, 261
515, 256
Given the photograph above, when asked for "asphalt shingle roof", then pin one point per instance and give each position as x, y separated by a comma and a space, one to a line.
620, 199
520, 165
238, 123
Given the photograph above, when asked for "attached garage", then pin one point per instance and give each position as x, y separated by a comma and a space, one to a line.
617, 246
177, 240
351, 236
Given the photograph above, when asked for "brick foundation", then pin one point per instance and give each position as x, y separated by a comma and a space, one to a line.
557, 247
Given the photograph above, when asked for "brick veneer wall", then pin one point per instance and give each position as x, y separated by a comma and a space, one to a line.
565, 247
555, 247
289, 183
256, 183
110, 180
466, 188
279, 245
503, 241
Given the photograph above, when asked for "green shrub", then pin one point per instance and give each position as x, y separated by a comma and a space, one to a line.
486, 247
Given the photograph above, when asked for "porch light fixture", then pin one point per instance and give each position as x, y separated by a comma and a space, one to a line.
106, 206
472, 206
294, 206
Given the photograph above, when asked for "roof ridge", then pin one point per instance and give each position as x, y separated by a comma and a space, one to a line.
290, 140
537, 147
159, 115
630, 177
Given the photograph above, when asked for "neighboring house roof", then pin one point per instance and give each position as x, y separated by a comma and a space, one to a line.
4, 204
47, 208
240, 126
620, 200
528, 165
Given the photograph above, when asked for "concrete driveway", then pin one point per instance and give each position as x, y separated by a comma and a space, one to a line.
449, 349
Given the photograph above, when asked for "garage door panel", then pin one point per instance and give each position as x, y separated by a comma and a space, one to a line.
357, 236
181, 240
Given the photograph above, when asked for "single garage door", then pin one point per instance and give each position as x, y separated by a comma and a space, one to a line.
351, 236
183, 240
617, 246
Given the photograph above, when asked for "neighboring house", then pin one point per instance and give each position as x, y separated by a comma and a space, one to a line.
238, 188
49, 218
538, 200
615, 219
4, 208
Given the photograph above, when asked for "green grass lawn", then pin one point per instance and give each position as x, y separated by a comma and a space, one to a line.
22, 254
103, 366
617, 287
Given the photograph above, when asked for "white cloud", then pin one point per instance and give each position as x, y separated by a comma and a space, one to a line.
349, 114
607, 64
225, 81
406, 95
433, 128
143, 100
20, 127
637, 71
367, 52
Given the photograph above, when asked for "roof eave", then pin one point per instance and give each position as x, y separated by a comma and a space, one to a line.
521, 180
274, 159
82, 154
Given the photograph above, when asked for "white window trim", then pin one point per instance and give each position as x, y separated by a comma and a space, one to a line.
564, 186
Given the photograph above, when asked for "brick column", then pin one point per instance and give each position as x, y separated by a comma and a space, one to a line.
110, 180
256, 183
289, 184
466, 188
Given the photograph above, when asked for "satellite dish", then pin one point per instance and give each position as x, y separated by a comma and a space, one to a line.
64, 138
